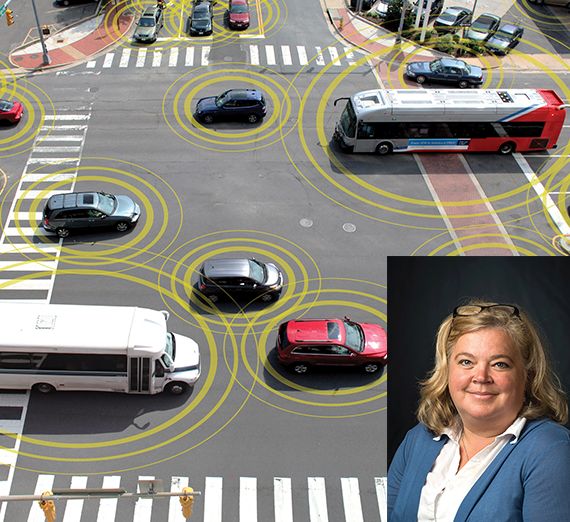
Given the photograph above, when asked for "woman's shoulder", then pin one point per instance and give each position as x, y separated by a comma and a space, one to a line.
545, 430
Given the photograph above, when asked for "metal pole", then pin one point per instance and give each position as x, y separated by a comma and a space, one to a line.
401, 26
83, 495
427, 12
46, 57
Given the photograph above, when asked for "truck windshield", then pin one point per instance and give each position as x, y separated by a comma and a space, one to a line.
169, 350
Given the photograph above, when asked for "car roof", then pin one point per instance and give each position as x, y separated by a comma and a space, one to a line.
456, 10
509, 28
488, 16
219, 268
150, 11
238, 2
244, 94
450, 62
316, 330
74, 200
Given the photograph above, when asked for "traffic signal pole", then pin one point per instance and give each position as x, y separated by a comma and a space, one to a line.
46, 58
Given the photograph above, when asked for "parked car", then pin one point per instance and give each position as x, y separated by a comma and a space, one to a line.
445, 70
83, 210
200, 22
238, 14
506, 38
484, 27
149, 25
436, 7
239, 277
331, 342
452, 19
234, 104
11, 111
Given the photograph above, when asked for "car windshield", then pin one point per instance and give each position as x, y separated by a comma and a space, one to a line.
482, 24
239, 8
221, 99
354, 336
146, 22
201, 14
107, 203
257, 271
6, 105
449, 17
169, 350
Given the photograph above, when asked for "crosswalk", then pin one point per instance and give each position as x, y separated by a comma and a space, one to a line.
238, 499
262, 55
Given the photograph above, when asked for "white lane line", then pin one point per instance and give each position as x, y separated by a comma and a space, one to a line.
143, 507
27, 266
213, 499
24, 248
33, 194
302, 53
108, 506
334, 56
319, 59
247, 499
351, 500
205, 57
189, 60
173, 58
74, 507
349, 55
59, 137
156, 58
286, 53
16, 400
28, 284
382, 494
174, 509
54, 128
27, 231
141, 57
67, 117
43, 483
125, 57
254, 54
91, 64
28, 216
282, 499
53, 160
538, 187
317, 499
48, 178
270, 55
57, 149
108, 61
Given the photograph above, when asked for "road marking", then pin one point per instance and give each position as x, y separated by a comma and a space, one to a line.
53, 160
27, 284
44, 483
175, 511
74, 507
108, 506
143, 507
382, 494
91, 64
317, 499
51, 137
349, 55
57, 149
282, 498
351, 500
141, 57
205, 55
319, 60
173, 58
33, 194
24, 248
22, 215
286, 53
254, 54
55, 128
27, 266
108, 62
334, 56
156, 58
247, 499
66, 117
30, 177
189, 60
125, 56
270, 55
302, 53
213, 499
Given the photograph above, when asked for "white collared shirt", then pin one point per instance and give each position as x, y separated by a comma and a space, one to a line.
445, 487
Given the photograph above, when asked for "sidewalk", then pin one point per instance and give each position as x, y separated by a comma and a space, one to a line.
78, 42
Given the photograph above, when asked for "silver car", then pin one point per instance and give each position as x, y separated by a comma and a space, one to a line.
148, 25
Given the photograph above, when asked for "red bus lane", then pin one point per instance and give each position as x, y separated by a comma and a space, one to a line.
451, 182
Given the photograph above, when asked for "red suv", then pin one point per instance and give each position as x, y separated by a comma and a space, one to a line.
331, 342
238, 14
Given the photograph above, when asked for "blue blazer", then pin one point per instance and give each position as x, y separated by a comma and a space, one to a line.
528, 481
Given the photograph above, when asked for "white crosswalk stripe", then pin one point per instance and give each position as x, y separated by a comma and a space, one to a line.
189, 61
173, 58
156, 58
214, 496
108, 60
270, 55
124, 61
141, 57
302, 53
319, 58
205, 59
254, 54
286, 54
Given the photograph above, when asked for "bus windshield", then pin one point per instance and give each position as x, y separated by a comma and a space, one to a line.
169, 350
348, 120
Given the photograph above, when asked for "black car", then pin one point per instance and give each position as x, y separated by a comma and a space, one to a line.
234, 104
506, 38
201, 19
445, 70
452, 19
238, 277
483, 28
81, 210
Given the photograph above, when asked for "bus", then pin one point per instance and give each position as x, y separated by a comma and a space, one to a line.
48, 347
450, 120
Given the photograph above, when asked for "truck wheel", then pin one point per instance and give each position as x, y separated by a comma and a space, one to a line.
176, 388
507, 148
44, 387
384, 148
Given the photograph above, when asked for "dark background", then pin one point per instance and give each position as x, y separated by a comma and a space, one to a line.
422, 291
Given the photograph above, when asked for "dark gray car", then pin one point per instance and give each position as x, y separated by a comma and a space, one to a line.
452, 19
239, 277
83, 210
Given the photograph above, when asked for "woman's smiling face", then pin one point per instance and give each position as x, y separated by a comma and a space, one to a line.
487, 379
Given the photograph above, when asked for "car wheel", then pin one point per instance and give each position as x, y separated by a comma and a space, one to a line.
507, 148
463, 84
371, 368
43, 387
121, 226
299, 368
267, 297
62, 232
176, 388
421, 79
253, 118
65, 3
384, 148
208, 118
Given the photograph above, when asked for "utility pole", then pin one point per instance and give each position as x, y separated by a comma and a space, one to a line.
427, 12
398, 39
46, 58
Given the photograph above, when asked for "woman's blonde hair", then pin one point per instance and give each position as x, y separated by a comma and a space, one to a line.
544, 396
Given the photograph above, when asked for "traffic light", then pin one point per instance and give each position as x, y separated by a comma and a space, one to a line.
187, 502
47, 506
9, 17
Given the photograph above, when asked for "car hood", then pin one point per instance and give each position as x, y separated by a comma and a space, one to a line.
445, 22
419, 67
239, 17
499, 43
472, 34
206, 104
375, 340
187, 353
126, 207
476, 72
144, 31
273, 275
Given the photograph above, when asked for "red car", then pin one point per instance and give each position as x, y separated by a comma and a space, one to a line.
238, 14
331, 342
11, 111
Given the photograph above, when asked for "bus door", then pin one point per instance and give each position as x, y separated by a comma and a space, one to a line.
140, 369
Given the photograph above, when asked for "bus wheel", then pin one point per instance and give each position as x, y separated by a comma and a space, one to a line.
421, 79
176, 388
507, 148
44, 387
384, 148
